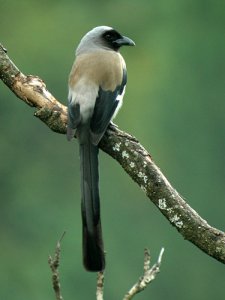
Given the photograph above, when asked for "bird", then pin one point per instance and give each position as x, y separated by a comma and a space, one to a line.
97, 84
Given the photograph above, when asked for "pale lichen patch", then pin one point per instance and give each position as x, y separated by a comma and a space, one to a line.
142, 175
162, 203
179, 224
177, 221
117, 147
125, 154
132, 164
169, 209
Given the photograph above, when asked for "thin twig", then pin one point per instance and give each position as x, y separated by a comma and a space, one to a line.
100, 286
148, 276
54, 265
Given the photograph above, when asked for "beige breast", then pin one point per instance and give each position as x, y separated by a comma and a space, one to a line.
104, 68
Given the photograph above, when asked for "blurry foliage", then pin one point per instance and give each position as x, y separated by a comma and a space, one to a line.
174, 105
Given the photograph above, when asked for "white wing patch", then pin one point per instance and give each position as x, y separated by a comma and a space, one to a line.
120, 99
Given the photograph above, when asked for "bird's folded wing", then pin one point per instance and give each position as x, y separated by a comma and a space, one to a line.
105, 107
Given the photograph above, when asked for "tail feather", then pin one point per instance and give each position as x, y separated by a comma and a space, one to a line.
93, 253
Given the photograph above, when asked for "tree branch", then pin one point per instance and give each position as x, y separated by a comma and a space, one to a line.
148, 276
54, 265
130, 154
100, 285
143, 281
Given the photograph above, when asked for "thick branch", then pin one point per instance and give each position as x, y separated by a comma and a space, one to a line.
130, 154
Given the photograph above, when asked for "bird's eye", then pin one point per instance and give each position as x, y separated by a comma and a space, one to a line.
111, 37
108, 36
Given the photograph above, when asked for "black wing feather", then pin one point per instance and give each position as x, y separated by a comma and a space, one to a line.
105, 106
74, 119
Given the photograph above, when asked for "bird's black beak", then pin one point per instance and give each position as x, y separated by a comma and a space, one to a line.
124, 41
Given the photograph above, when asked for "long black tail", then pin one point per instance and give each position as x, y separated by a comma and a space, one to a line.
93, 253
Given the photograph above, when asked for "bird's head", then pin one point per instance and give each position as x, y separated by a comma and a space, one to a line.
103, 37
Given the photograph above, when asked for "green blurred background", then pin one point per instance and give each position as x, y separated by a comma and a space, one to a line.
174, 105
